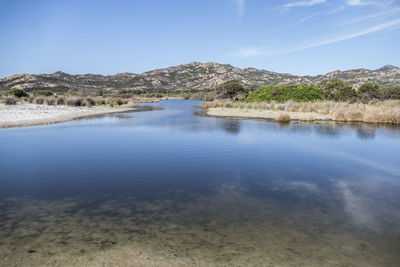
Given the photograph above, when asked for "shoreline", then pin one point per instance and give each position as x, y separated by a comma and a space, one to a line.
35, 115
267, 114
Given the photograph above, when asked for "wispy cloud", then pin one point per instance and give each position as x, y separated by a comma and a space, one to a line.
306, 18
360, 3
303, 3
240, 6
354, 3
262, 51
386, 14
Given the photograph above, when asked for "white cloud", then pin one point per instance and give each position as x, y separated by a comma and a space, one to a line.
358, 207
301, 185
260, 51
240, 5
303, 3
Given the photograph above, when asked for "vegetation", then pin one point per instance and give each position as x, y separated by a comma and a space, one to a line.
337, 90
283, 117
389, 92
282, 93
379, 112
368, 91
16, 92
10, 100
230, 90
330, 90
43, 93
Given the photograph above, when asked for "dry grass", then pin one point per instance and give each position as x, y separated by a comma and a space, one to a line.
10, 100
283, 117
76, 101
374, 112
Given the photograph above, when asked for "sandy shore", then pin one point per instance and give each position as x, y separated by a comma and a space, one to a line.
31, 114
267, 114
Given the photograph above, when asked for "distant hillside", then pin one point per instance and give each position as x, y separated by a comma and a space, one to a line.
193, 76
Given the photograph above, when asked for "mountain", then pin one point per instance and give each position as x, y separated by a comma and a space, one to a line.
192, 76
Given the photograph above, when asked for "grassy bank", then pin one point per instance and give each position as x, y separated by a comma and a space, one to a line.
373, 112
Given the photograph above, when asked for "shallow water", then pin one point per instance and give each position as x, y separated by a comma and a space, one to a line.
169, 187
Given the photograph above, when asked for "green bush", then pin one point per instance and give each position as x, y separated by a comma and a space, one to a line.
390, 92
368, 91
283, 93
16, 92
43, 93
337, 90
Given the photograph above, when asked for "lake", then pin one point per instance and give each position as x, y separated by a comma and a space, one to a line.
167, 186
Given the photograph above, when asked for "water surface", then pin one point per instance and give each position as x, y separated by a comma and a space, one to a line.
169, 187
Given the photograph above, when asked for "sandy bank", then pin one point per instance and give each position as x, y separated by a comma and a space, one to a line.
31, 114
266, 114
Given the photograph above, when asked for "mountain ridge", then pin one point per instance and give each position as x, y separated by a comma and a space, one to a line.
191, 76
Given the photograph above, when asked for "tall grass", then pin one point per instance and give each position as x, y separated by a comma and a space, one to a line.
283, 117
10, 100
374, 112
74, 101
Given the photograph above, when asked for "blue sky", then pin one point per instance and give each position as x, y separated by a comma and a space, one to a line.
294, 36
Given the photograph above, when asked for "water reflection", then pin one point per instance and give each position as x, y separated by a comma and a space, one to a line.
366, 132
231, 126
329, 130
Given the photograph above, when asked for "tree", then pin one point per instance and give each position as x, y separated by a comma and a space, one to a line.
368, 91
16, 92
337, 90
230, 90
390, 92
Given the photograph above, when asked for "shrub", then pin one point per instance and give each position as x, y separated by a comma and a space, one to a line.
60, 101
74, 101
100, 101
90, 102
390, 92
283, 93
43, 93
39, 100
120, 101
50, 101
337, 90
16, 92
230, 90
10, 100
283, 117
367, 92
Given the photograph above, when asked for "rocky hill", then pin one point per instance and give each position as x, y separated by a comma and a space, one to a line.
192, 76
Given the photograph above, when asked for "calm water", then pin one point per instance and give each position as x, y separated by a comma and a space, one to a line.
168, 186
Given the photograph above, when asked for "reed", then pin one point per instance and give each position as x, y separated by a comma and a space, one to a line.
374, 112
283, 117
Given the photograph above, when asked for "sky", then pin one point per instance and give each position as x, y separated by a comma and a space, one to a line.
302, 37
